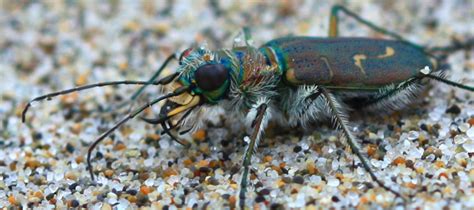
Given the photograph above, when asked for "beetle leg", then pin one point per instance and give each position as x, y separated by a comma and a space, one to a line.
302, 105
340, 122
260, 121
396, 97
441, 78
247, 37
155, 75
393, 97
453, 47
334, 21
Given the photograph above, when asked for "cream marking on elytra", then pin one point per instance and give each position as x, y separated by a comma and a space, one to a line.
389, 52
358, 62
326, 61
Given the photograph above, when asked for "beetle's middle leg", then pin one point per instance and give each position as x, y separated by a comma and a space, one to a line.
258, 124
339, 119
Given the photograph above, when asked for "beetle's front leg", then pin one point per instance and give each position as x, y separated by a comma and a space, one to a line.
157, 73
260, 115
339, 120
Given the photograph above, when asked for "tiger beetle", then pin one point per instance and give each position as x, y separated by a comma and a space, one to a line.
301, 78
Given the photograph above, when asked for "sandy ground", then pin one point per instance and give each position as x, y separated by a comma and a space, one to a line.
425, 151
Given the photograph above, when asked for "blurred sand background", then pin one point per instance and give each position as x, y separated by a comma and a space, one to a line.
428, 149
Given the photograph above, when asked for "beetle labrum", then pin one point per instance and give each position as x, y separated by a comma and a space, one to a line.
304, 78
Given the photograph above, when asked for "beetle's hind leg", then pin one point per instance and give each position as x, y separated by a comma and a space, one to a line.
441, 78
453, 47
305, 104
260, 120
334, 22
393, 97
339, 120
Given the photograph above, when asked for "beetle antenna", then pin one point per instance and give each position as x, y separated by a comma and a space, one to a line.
163, 81
128, 117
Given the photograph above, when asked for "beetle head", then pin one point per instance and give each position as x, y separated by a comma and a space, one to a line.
204, 71
207, 80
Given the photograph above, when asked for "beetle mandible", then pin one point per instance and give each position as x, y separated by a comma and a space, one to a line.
303, 78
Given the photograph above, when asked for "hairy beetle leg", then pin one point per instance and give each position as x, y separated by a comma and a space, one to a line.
258, 127
339, 120
396, 97
449, 82
393, 97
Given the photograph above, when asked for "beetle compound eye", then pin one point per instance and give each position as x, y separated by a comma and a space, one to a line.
211, 76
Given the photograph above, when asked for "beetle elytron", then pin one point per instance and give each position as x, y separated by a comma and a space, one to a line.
302, 78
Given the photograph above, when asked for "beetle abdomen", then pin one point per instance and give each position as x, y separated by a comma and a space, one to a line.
346, 62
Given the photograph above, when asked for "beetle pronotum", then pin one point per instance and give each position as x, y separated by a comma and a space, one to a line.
302, 77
